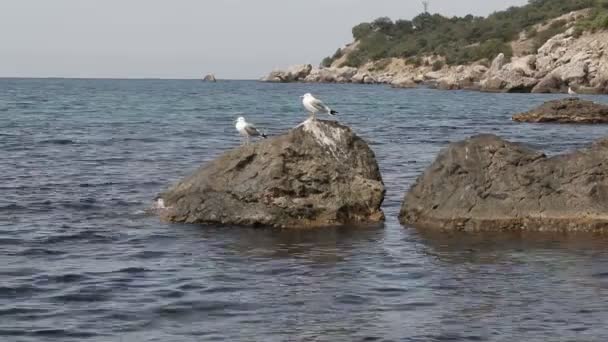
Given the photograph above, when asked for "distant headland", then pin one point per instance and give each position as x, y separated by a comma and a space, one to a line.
546, 46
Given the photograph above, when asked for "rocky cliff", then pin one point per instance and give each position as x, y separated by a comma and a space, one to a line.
318, 174
568, 59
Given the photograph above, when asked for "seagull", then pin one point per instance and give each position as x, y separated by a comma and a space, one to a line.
570, 91
314, 105
247, 130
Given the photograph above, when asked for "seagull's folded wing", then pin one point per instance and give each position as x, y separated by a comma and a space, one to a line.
319, 105
252, 131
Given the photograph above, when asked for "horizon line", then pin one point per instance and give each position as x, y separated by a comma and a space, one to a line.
118, 78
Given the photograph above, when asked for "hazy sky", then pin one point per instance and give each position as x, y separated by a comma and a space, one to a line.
188, 38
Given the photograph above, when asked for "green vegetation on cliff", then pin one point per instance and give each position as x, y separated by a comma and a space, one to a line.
597, 20
465, 39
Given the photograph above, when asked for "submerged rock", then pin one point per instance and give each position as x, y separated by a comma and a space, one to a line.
294, 73
485, 183
210, 78
318, 174
569, 110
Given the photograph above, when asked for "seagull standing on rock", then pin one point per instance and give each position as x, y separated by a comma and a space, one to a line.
247, 130
314, 105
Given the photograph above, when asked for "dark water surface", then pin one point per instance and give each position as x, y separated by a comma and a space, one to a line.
80, 160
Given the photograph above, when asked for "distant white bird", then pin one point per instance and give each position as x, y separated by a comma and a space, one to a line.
247, 130
570, 91
314, 105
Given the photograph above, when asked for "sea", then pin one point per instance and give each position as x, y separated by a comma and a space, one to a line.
82, 259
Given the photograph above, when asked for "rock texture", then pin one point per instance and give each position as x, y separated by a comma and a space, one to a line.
569, 110
488, 184
210, 78
318, 174
294, 73
514, 77
331, 75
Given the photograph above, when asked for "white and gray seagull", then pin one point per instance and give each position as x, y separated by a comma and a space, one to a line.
247, 129
571, 92
314, 105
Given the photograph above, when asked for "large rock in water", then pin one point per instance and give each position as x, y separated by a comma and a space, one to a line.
318, 174
487, 183
569, 110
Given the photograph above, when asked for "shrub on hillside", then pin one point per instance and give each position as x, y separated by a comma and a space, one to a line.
465, 39
438, 65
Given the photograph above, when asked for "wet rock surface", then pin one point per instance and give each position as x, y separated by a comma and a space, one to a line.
318, 174
569, 110
485, 183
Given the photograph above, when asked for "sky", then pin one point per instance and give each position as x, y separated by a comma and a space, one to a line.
234, 39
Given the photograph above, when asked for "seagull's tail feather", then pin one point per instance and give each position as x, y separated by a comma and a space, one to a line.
332, 112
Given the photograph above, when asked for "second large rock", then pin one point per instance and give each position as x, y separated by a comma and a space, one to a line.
487, 183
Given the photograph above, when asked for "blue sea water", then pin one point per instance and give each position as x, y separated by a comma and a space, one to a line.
80, 260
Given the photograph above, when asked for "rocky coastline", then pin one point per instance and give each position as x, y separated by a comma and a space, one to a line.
566, 60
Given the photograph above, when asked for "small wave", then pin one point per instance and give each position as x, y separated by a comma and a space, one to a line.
56, 333
24, 105
10, 241
88, 297
351, 299
83, 204
389, 291
11, 311
87, 294
216, 308
19, 272
132, 270
145, 140
150, 254
221, 289
40, 252
67, 278
171, 293
95, 185
17, 291
57, 142
12, 207
82, 235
